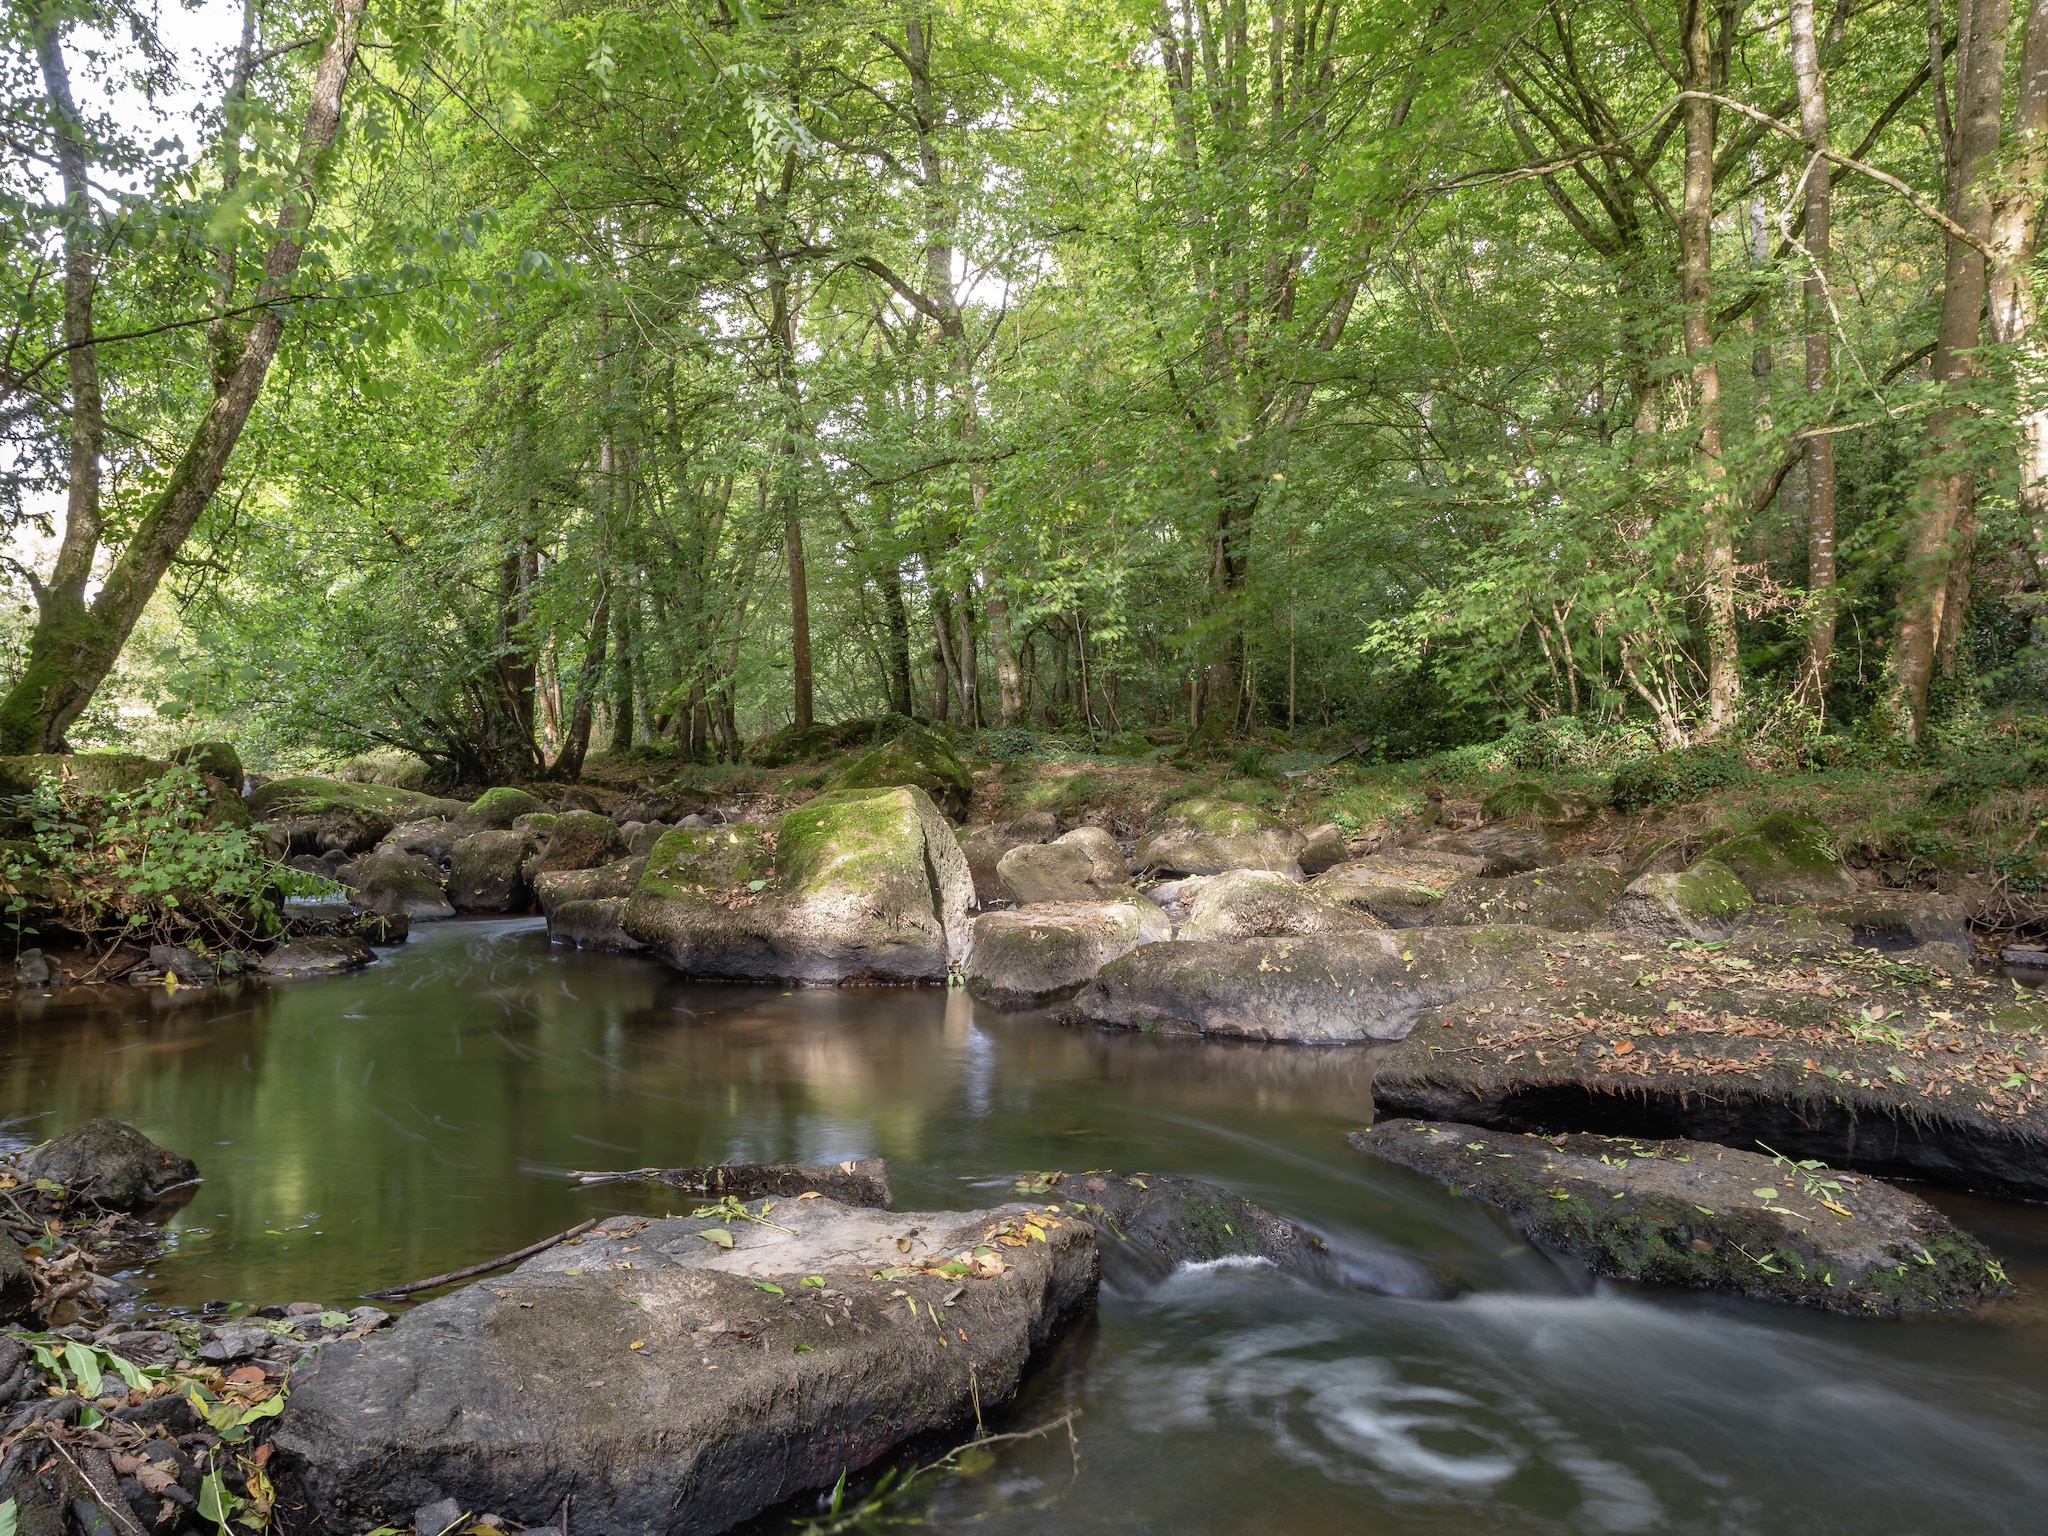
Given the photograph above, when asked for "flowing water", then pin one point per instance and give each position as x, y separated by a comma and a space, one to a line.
378, 1127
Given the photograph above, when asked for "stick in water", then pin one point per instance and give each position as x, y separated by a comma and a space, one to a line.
396, 1291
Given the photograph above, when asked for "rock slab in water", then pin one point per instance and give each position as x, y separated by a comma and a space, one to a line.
1044, 954
316, 955
861, 1181
672, 1384
1706, 1217
109, 1163
1161, 1221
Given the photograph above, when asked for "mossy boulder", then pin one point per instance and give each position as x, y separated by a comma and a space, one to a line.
984, 846
499, 808
1570, 897
917, 757
309, 795
1534, 803
616, 880
577, 840
1702, 903
1037, 955
1258, 904
793, 744
484, 873
1325, 848
865, 884
1328, 989
1702, 1217
1077, 867
215, 759
1204, 836
1400, 888
1787, 858
389, 880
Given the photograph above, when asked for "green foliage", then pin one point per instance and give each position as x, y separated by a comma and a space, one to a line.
1676, 778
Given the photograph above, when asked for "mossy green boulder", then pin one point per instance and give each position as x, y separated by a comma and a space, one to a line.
1206, 836
499, 808
215, 759
917, 757
310, 795
865, 884
1703, 903
1702, 1217
576, 840
1786, 858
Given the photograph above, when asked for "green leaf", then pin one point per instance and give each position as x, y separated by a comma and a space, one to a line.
718, 1236
10, 1515
80, 1358
769, 1286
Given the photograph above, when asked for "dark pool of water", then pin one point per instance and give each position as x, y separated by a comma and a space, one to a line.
374, 1128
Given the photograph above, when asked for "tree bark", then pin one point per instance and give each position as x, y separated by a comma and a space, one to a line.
1820, 362
1944, 485
1696, 256
2014, 234
622, 675
898, 619
576, 744
75, 646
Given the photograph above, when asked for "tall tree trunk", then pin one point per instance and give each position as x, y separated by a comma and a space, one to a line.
2013, 304
569, 762
75, 645
1820, 362
1696, 259
782, 340
799, 617
622, 675
899, 637
1944, 487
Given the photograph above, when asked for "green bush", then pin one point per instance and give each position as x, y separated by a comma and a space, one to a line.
1673, 778
1006, 744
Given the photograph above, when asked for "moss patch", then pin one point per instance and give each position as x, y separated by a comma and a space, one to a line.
499, 808
919, 757
691, 859
1710, 889
308, 795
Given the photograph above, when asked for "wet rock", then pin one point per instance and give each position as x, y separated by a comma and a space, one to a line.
1258, 904
1705, 903
428, 839
1704, 1217
865, 884
215, 759
316, 955
1786, 858
559, 887
1325, 848
382, 928
1207, 837
176, 960
31, 969
598, 925
579, 840
17, 1288
313, 815
1158, 1222
681, 1395
1495, 848
1402, 888
1570, 897
1063, 871
1326, 990
1044, 953
109, 1163
862, 1181
389, 880
918, 757
484, 872
498, 808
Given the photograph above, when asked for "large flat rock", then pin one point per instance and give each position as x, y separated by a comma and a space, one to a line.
1704, 1217
666, 1383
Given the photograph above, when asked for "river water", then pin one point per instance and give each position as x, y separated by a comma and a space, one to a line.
368, 1129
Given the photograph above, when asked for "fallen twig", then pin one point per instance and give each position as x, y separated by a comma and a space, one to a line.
392, 1293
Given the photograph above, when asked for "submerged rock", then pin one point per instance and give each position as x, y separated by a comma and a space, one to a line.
864, 884
1570, 897
1687, 1213
109, 1163
1258, 904
1326, 990
1207, 837
316, 955
681, 1383
1045, 953
389, 880
1403, 889
1786, 858
1704, 903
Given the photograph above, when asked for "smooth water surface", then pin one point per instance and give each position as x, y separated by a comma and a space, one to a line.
379, 1127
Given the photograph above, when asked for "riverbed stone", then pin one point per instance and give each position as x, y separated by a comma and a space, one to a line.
1495, 848
1569, 897
865, 884
1041, 954
918, 757
484, 872
1328, 989
108, 1163
1705, 904
984, 846
315, 955
387, 879
1324, 848
1787, 858
1258, 904
308, 814
577, 840
1061, 871
1705, 1217
1402, 888
1208, 836
681, 1386
598, 924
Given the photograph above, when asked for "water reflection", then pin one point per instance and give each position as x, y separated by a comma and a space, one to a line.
370, 1129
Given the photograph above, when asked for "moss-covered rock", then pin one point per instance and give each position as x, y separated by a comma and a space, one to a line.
499, 808
793, 744
577, 840
1788, 857
309, 795
1041, 954
984, 846
1258, 904
1208, 836
1570, 897
484, 872
1705, 1217
917, 757
389, 880
617, 880
1324, 990
215, 759
101, 773
1703, 903
1400, 888
1531, 802
866, 884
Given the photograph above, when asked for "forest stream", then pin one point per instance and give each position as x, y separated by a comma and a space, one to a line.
367, 1129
